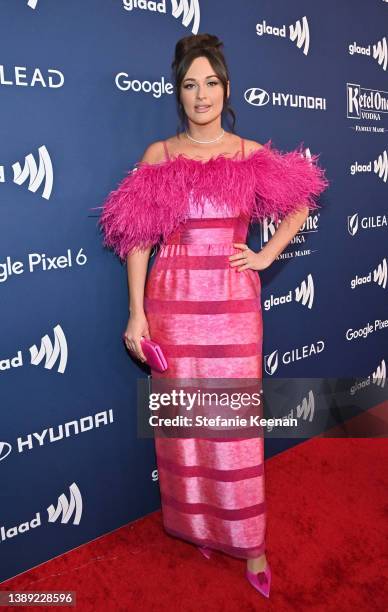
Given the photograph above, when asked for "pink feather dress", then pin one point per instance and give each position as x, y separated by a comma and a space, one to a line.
208, 318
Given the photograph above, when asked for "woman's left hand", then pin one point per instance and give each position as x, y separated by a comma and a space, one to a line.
248, 259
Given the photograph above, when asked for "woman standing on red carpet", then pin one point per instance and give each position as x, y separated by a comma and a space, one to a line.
194, 196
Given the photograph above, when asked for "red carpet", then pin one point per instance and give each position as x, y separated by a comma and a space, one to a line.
326, 542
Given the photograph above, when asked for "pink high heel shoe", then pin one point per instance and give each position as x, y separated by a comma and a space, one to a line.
207, 552
261, 581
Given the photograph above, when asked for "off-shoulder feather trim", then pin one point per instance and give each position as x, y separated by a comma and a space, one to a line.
153, 199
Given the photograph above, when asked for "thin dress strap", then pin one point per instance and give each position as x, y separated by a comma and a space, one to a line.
242, 148
166, 150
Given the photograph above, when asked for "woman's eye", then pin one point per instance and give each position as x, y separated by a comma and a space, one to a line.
191, 84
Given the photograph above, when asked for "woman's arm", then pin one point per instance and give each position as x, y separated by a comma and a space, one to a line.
286, 231
137, 264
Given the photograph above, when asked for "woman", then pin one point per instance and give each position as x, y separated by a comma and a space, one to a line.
194, 196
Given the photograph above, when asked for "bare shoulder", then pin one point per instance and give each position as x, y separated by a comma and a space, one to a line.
154, 153
251, 145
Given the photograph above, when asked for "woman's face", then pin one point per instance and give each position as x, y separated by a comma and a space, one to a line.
202, 93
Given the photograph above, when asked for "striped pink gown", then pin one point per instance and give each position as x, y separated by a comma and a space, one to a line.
207, 318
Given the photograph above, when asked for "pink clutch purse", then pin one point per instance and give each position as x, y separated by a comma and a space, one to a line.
154, 355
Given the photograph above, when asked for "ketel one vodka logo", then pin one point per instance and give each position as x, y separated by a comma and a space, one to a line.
380, 167
298, 33
303, 294
363, 103
186, 10
66, 510
379, 51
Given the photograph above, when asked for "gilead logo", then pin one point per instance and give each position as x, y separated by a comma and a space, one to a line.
22, 76
271, 361
355, 223
66, 510
188, 10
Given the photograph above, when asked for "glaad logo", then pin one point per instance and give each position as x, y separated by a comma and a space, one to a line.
5, 450
380, 167
379, 277
50, 353
260, 97
354, 224
379, 49
299, 33
46, 350
32, 3
65, 510
271, 361
188, 8
34, 174
305, 410
363, 103
379, 378
304, 294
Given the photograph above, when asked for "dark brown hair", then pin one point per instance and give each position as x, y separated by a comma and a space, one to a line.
188, 49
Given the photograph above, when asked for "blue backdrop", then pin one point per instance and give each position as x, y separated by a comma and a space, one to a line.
85, 87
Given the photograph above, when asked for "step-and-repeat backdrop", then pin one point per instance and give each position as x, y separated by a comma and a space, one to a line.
84, 88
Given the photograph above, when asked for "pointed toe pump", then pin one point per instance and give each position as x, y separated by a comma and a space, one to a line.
261, 581
207, 552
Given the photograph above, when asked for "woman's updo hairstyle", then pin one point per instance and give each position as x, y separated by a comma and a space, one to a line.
188, 49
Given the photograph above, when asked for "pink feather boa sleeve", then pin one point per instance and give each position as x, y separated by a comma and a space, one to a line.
284, 183
153, 199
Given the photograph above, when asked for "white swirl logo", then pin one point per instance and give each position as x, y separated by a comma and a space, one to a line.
51, 353
305, 293
301, 34
65, 509
5, 449
380, 274
36, 175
